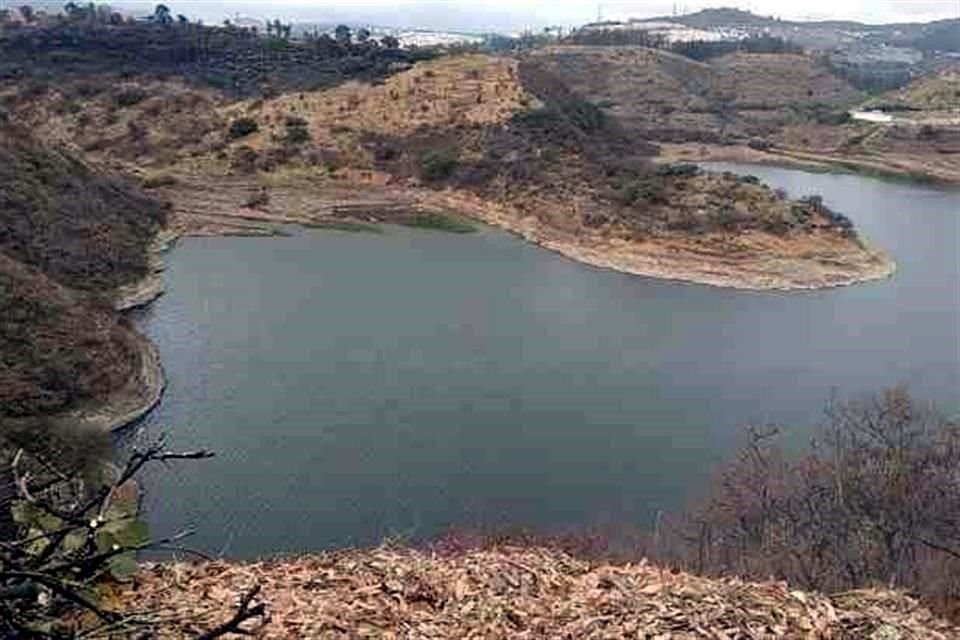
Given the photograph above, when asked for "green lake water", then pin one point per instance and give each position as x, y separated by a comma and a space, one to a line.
360, 386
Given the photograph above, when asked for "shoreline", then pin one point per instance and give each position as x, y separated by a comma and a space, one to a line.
667, 259
670, 259
808, 161
123, 406
760, 262
147, 289
143, 391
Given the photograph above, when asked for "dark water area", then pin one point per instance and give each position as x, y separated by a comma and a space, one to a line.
361, 386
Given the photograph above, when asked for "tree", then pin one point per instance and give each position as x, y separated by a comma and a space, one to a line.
182, 19
342, 33
26, 12
389, 42
162, 14
363, 34
103, 12
876, 499
76, 525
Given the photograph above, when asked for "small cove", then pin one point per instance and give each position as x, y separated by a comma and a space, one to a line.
361, 386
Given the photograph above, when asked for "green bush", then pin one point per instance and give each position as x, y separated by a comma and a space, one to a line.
258, 199
582, 115
297, 130
129, 95
439, 222
819, 113
682, 170
437, 165
242, 127
646, 190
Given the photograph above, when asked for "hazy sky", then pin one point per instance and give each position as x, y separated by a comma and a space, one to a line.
513, 15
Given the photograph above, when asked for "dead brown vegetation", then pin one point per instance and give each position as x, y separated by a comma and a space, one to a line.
875, 501
56, 348
511, 592
65, 227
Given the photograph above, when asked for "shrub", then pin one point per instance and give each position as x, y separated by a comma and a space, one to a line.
819, 113
242, 127
724, 217
244, 160
297, 131
128, 95
647, 190
558, 115
439, 222
158, 180
298, 135
775, 225
678, 170
875, 499
259, 199
437, 165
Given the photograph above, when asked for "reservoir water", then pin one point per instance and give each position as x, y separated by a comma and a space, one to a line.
361, 386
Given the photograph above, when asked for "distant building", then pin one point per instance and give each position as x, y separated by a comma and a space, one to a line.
435, 38
669, 31
872, 116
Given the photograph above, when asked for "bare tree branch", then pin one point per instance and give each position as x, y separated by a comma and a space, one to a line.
244, 612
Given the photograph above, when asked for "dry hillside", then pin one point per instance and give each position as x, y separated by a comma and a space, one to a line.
939, 92
56, 349
513, 144
667, 97
788, 107
510, 142
69, 234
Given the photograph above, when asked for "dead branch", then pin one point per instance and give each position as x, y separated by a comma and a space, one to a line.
244, 612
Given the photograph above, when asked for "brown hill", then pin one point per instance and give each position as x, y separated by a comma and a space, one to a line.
664, 96
65, 227
57, 348
789, 108
937, 92
510, 142
80, 226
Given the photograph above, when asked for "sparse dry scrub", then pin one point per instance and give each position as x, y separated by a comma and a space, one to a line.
875, 501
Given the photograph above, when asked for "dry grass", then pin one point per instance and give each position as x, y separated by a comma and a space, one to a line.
511, 593
939, 92
472, 89
775, 81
